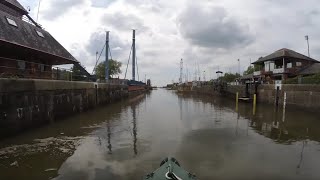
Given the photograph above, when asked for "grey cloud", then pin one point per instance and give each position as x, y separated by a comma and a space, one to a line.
101, 3
59, 7
98, 39
124, 22
212, 28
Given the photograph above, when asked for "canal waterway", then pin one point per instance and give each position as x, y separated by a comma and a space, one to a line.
128, 139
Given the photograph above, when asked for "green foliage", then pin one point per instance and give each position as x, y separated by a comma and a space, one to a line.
314, 79
251, 69
77, 75
114, 69
229, 77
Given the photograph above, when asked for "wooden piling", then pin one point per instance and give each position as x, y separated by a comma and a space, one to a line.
254, 103
237, 100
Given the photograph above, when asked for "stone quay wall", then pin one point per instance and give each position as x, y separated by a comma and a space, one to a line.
302, 96
28, 103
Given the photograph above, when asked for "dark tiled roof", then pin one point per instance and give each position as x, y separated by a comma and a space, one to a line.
284, 53
313, 69
15, 4
25, 35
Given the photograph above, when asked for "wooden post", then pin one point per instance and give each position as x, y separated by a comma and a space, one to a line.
57, 73
277, 97
284, 106
254, 103
237, 100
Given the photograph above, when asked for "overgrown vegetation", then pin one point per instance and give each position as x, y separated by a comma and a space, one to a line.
314, 79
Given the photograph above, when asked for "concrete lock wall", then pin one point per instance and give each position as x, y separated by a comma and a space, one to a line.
303, 96
28, 103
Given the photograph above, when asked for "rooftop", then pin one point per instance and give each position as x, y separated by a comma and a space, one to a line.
15, 5
313, 69
16, 33
284, 53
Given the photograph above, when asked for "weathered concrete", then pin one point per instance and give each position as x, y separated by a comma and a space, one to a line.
303, 96
26, 103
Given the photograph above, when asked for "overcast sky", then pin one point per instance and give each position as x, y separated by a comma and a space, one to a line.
211, 33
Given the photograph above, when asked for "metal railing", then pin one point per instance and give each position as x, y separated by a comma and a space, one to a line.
14, 68
257, 73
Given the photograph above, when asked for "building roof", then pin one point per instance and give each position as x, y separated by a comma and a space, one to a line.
15, 5
312, 69
25, 36
284, 53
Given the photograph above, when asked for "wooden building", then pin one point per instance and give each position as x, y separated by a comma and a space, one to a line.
26, 49
282, 64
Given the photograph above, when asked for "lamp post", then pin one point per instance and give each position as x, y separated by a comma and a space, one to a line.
307, 38
239, 67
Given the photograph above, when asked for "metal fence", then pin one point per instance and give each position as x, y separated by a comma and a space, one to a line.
13, 68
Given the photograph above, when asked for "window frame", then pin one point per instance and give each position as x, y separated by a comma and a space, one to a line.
11, 21
298, 64
39, 33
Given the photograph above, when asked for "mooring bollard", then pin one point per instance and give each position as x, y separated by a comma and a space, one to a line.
254, 103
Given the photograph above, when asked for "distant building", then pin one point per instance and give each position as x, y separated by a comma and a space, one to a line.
26, 49
282, 64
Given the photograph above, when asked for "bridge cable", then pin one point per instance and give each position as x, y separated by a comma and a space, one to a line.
94, 69
128, 63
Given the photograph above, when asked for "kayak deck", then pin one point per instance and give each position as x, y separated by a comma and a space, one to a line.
170, 169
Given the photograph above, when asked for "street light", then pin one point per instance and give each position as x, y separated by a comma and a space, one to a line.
239, 66
307, 38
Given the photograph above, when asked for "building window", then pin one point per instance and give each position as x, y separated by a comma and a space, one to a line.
42, 67
21, 65
12, 22
298, 64
40, 34
289, 65
271, 66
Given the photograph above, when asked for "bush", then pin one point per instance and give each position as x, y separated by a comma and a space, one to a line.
314, 79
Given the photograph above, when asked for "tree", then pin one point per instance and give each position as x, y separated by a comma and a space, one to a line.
251, 69
114, 69
77, 75
229, 77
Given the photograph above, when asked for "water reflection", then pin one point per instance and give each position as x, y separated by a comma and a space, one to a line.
134, 129
109, 138
282, 127
127, 140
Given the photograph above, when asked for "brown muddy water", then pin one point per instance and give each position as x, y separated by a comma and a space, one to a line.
128, 139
